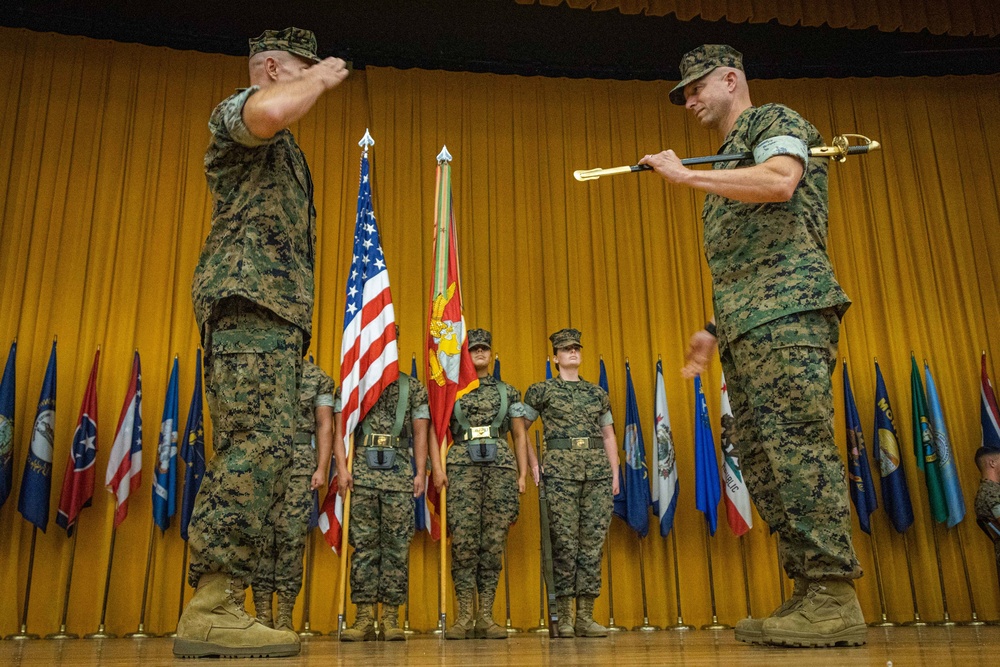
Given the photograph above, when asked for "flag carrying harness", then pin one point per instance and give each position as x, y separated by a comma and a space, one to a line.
482, 441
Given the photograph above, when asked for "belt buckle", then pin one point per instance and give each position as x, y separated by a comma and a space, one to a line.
477, 432
380, 440
579, 443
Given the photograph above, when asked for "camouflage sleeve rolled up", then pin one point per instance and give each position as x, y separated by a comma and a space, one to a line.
419, 401
337, 405
769, 260
229, 120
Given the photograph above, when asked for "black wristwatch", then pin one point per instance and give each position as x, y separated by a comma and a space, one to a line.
710, 328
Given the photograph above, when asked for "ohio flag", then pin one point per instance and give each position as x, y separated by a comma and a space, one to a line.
125, 463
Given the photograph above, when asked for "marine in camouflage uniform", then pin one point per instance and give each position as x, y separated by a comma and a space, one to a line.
580, 470
253, 299
777, 315
384, 486
485, 477
988, 497
280, 568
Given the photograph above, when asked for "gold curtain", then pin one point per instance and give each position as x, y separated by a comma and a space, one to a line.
939, 17
105, 211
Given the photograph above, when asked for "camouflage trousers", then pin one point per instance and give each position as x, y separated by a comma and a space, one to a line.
579, 516
280, 568
253, 365
779, 381
482, 503
380, 531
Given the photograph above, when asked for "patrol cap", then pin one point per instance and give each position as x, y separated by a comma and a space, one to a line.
292, 40
480, 338
565, 338
698, 62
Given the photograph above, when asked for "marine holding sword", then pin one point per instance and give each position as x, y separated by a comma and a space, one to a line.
777, 317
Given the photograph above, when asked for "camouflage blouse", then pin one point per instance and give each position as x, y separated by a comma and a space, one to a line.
571, 410
262, 239
481, 406
770, 260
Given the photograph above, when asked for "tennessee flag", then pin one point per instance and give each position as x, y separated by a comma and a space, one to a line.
450, 371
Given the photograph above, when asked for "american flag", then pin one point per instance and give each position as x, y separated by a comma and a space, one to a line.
368, 354
125, 463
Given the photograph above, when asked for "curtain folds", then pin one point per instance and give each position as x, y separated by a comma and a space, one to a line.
104, 210
939, 17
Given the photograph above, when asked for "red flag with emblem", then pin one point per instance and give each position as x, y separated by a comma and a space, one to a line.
450, 371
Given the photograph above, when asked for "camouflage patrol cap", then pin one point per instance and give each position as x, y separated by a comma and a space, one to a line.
565, 338
480, 338
696, 63
292, 40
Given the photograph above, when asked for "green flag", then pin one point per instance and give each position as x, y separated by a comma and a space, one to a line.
924, 448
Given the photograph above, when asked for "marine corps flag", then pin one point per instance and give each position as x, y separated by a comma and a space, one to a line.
450, 371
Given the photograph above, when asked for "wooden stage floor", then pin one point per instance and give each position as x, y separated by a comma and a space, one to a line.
932, 646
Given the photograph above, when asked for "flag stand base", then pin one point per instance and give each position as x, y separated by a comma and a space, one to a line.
141, 633
307, 632
170, 635
715, 625
883, 623
915, 623
100, 634
22, 635
646, 627
62, 634
679, 626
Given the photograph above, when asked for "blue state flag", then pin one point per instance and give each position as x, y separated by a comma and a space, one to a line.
36, 483
859, 473
7, 425
421, 515
496, 368
666, 488
636, 490
946, 456
895, 494
165, 482
619, 501
707, 486
193, 450
548, 368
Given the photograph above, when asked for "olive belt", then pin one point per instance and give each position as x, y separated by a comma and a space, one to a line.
575, 443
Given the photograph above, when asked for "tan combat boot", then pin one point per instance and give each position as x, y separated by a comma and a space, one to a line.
262, 602
749, 629
391, 632
564, 610
585, 625
486, 627
363, 629
284, 619
828, 615
462, 629
215, 623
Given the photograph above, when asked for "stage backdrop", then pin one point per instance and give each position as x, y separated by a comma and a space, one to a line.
105, 210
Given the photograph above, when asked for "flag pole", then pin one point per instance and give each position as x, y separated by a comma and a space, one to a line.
646, 625
443, 550
946, 621
975, 621
180, 604
541, 627
24, 634
746, 578
102, 633
141, 633
612, 626
342, 583
715, 624
62, 634
511, 630
680, 624
306, 630
884, 622
781, 570
917, 622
